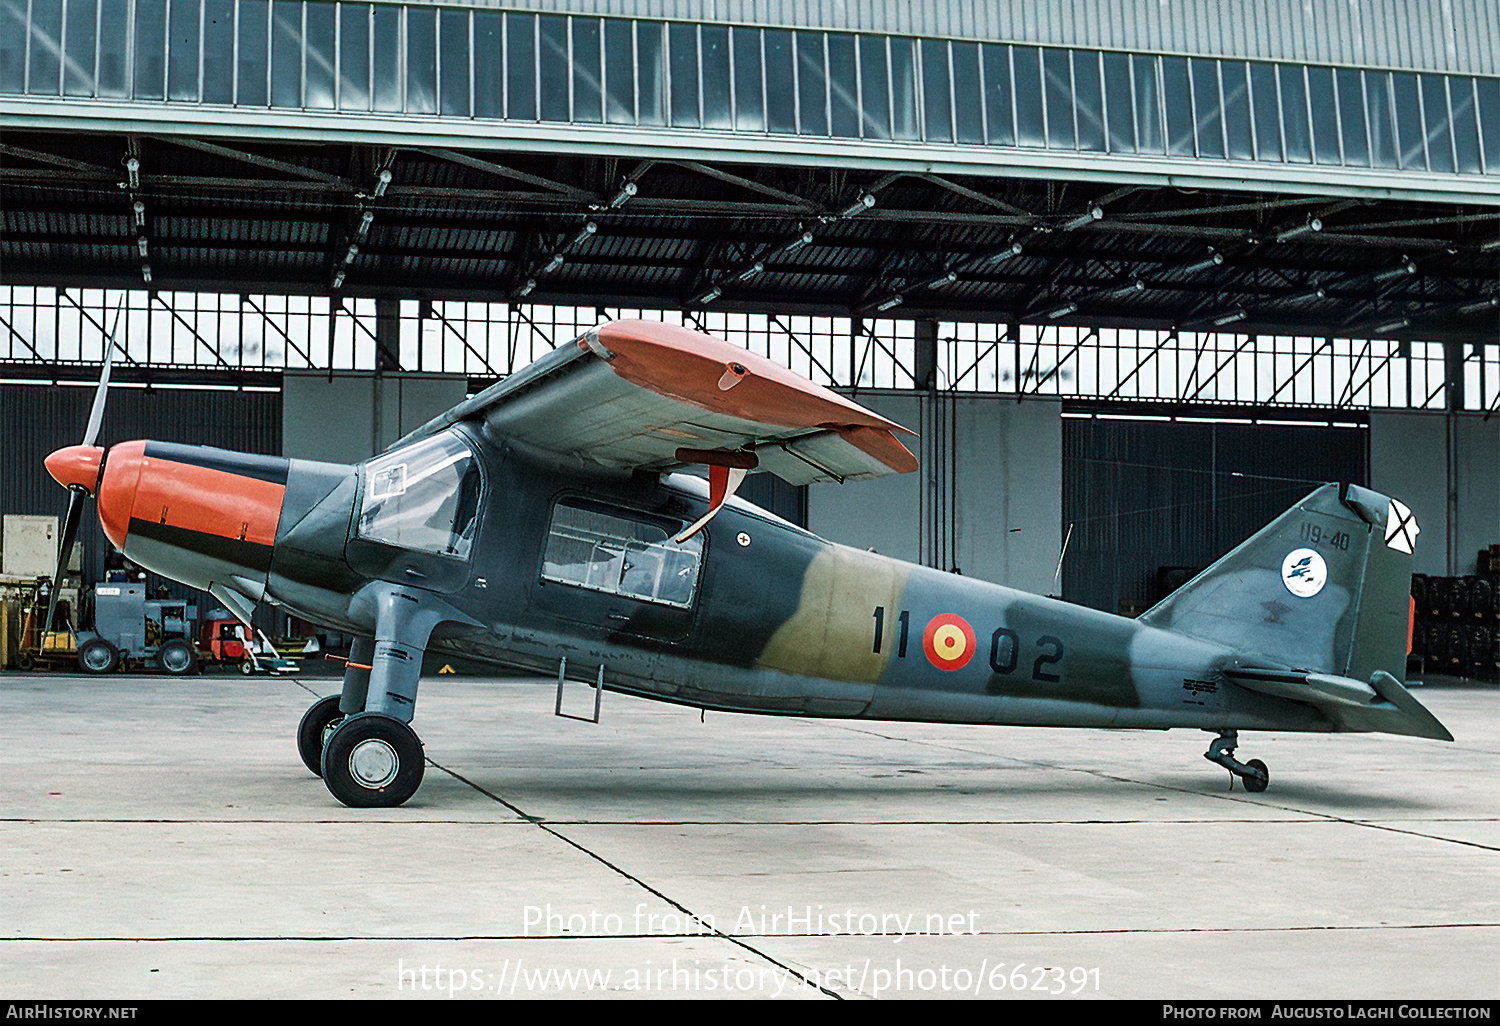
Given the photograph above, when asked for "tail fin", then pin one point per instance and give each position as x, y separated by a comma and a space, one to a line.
1325, 587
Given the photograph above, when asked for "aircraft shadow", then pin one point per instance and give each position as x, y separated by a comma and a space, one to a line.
1124, 796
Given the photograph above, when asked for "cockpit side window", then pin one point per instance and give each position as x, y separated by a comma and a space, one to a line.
424, 497
620, 555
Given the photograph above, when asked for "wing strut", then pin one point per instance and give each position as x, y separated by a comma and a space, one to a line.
723, 482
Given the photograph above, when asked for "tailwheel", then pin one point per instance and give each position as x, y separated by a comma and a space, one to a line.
1258, 779
373, 761
1253, 773
312, 733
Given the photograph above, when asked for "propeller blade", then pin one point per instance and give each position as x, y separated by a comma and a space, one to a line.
65, 551
76, 494
96, 414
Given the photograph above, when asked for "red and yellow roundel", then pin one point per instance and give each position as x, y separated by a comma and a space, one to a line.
948, 642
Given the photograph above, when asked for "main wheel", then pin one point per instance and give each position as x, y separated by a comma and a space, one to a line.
1259, 780
373, 761
98, 656
248, 669
177, 658
312, 733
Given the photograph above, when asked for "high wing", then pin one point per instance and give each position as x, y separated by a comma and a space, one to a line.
652, 396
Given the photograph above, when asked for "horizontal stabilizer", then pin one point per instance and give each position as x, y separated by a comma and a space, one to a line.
1381, 705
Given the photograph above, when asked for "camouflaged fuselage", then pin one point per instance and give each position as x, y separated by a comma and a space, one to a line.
782, 621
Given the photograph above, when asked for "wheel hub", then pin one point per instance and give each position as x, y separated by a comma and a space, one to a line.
374, 763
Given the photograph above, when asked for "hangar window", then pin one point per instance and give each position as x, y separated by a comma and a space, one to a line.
424, 497
620, 554
812, 84
588, 94
406, 57
843, 87
46, 28
749, 82
78, 77
520, 67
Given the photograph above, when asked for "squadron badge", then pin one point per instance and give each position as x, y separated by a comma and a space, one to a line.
1304, 573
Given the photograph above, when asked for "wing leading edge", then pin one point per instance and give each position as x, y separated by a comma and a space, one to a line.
652, 396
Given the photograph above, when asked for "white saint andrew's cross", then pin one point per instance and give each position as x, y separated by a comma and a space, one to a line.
1401, 528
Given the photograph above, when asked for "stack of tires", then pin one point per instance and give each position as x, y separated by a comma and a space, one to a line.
1457, 629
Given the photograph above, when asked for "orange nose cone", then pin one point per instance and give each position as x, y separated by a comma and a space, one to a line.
77, 465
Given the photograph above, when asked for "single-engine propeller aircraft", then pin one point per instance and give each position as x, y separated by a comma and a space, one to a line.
546, 525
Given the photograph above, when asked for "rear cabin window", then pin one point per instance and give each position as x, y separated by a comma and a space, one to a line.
620, 555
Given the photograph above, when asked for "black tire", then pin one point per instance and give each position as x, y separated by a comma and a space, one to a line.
25, 662
373, 761
247, 667
319, 720
98, 656
1258, 781
177, 657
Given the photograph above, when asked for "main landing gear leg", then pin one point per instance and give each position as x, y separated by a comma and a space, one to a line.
373, 759
357, 676
319, 721
1254, 773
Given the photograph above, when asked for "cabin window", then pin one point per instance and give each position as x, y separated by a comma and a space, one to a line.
424, 497
620, 555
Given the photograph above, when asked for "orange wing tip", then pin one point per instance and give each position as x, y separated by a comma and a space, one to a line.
704, 371
883, 446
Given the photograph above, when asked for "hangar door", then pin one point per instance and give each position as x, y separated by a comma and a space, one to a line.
1150, 502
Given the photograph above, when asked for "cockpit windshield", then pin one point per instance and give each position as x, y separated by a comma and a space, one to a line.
424, 497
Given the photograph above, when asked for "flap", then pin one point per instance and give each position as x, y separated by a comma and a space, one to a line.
630, 394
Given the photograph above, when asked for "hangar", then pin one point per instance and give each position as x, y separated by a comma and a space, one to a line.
1139, 273
1093, 260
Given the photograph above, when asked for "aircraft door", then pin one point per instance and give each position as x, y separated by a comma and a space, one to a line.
418, 514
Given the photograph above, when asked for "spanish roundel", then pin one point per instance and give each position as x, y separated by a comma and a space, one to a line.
948, 642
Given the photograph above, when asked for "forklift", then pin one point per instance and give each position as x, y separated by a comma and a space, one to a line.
36, 647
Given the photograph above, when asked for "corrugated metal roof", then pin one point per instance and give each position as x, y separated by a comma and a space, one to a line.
457, 231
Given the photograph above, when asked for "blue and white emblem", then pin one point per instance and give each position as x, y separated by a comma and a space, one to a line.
1304, 573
